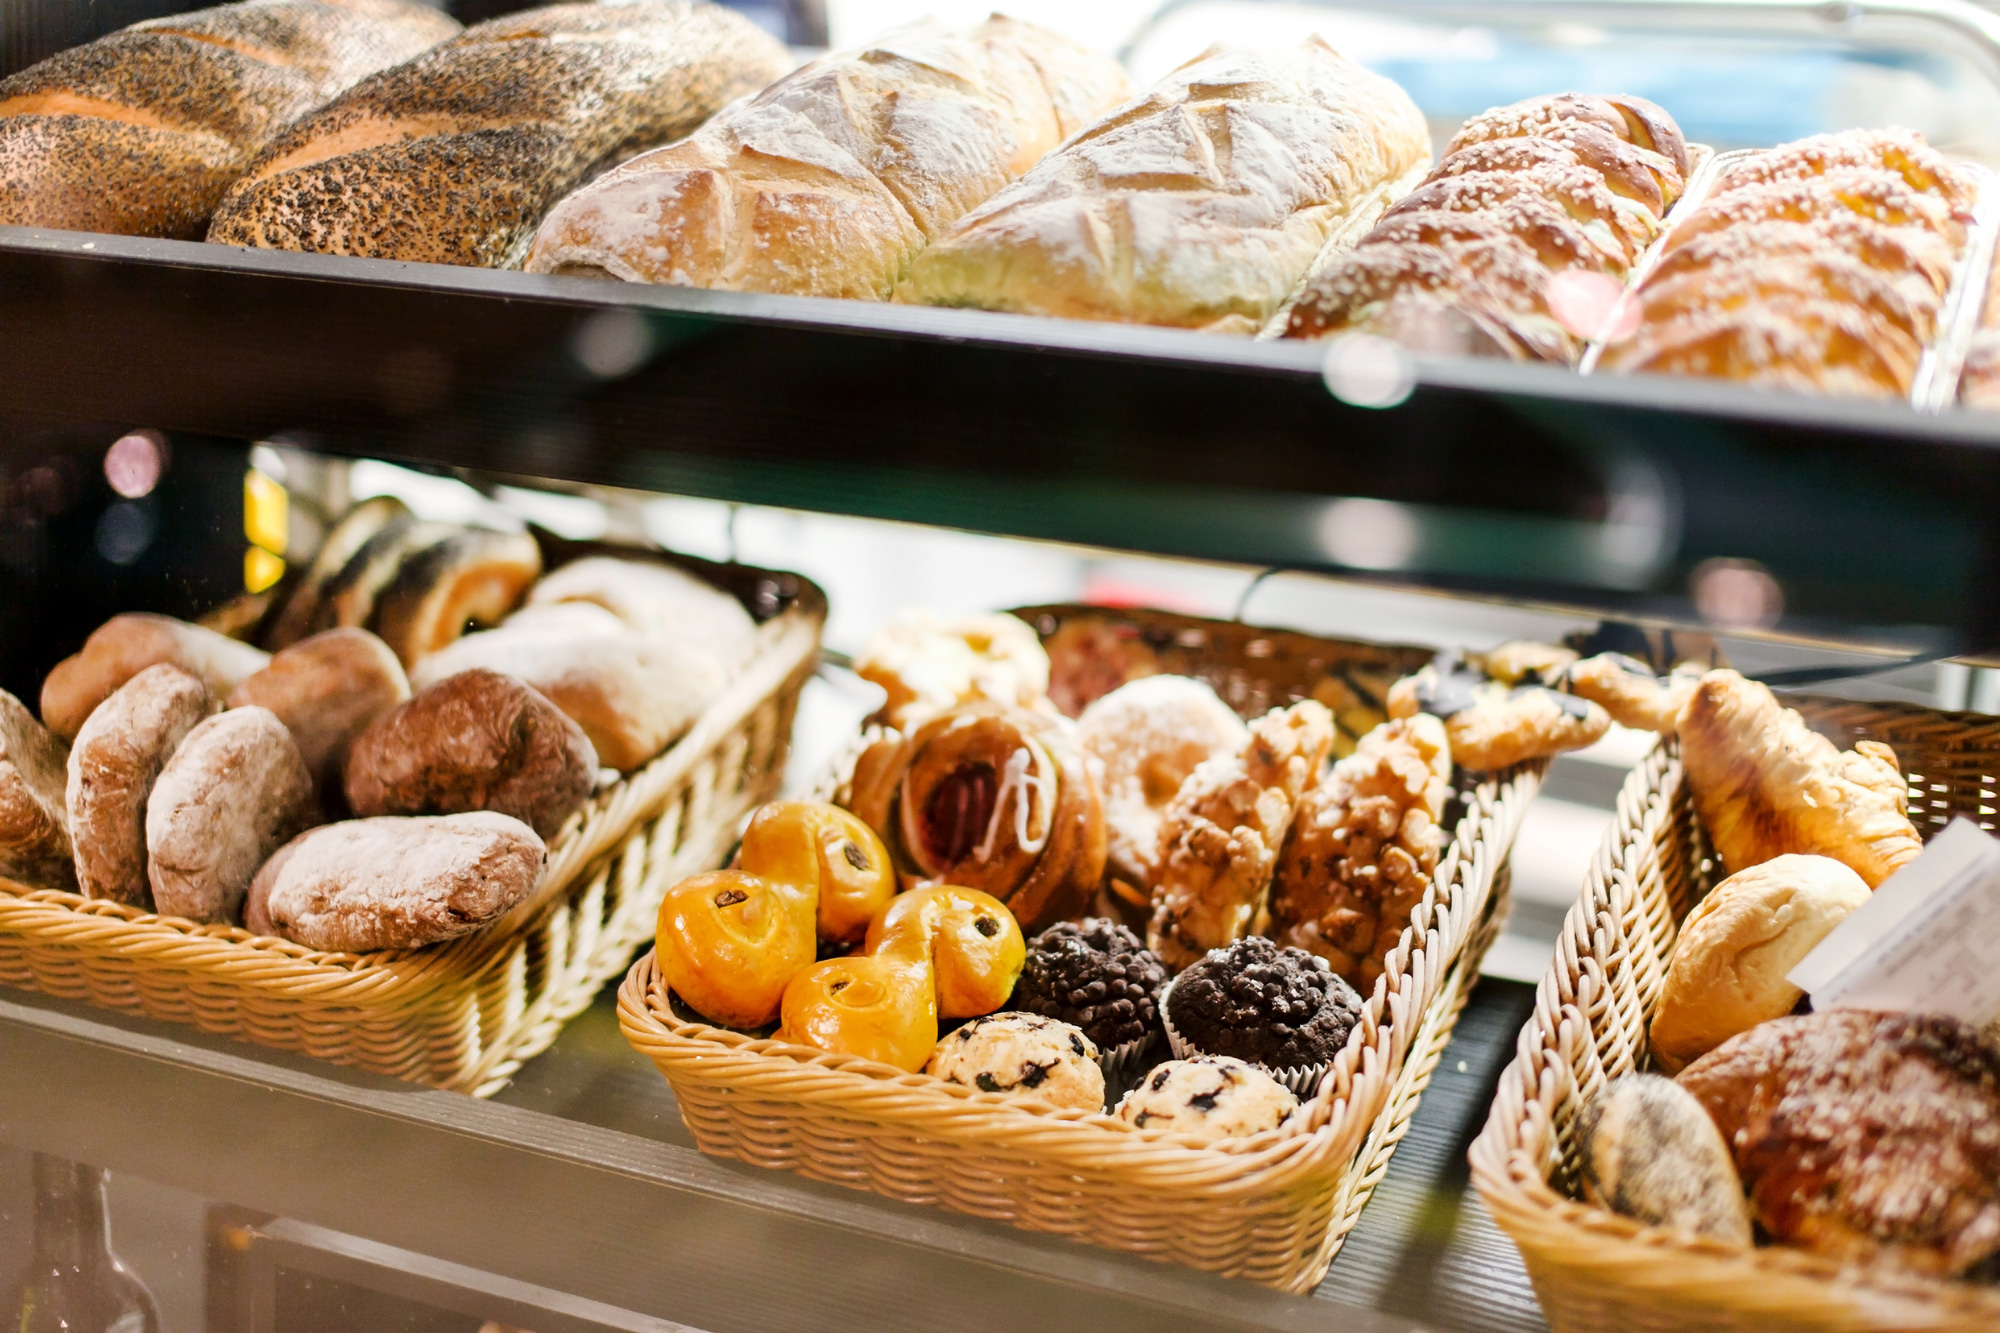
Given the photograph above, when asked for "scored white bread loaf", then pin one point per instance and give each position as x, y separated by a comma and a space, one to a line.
139, 133
454, 157
1200, 205
829, 181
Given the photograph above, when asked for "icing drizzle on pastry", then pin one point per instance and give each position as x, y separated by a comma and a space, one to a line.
1015, 780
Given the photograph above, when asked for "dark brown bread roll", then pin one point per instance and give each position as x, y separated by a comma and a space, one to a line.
34, 823
478, 740
123, 646
326, 690
1864, 1136
141, 132
119, 752
454, 157
395, 883
234, 792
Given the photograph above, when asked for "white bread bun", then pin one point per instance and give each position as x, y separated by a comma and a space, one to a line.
1727, 973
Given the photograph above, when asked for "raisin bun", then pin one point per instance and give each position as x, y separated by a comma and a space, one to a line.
1209, 1098
1097, 975
1277, 1007
1022, 1055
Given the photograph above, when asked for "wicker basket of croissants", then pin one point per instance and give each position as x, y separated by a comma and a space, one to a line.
1072, 832
1679, 1142
409, 809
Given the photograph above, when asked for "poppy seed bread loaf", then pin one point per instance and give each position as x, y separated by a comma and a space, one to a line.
140, 132
454, 157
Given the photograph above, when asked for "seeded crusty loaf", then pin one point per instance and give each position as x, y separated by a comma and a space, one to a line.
1202, 205
141, 132
454, 157
235, 791
828, 182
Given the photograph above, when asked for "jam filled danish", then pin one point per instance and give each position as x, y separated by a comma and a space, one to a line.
992, 798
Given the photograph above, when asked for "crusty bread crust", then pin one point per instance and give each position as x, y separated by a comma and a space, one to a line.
117, 756
125, 645
234, 791
830, 180
326, 689
1201, 205
34, 821
454, 157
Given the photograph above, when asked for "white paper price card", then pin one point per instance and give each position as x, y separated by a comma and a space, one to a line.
1927, 940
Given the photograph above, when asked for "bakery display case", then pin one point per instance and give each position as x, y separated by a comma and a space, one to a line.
458, 565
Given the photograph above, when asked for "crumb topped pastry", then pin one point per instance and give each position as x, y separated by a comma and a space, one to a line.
1097, 975
1209, 1098
1022, 1055
1280, 1008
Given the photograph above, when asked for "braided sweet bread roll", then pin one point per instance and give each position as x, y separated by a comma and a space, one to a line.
1821, 265
141, 132
1525, 191
832, 179
1201, 205
992, 798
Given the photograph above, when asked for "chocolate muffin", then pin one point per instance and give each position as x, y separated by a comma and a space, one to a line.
1277, 1007
1096, 975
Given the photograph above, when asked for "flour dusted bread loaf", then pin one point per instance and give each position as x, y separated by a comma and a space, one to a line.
393, 883
474, 741
454, 157
325, 690
1200, 205
631, 693
123, 646
830, 180
233, 792
117, 756
653, 598
142, 131
34, 821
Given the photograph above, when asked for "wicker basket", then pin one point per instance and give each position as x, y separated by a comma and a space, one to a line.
1273, 1208
1594, 1270
463, 1015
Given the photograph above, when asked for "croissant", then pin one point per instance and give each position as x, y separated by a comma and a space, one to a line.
993, 798
1766, 785
1219, 841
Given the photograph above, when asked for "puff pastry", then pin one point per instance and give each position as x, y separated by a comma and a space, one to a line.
1219, 841
1766, 785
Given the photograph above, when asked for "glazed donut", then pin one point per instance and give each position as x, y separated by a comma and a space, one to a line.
992, 798
1493, 725
927, 665
1148, 736
940, 951
730, 941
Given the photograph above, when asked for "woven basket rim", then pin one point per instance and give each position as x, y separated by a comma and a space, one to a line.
1349, 1096
781, 650
1514, 1157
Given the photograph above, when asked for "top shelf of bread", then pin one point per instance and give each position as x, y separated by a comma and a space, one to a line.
1485, 473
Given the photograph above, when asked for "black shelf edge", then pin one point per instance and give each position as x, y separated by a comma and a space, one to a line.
1881, 525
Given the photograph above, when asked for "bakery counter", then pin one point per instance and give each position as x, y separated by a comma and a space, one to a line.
575, 1199
1521, 481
